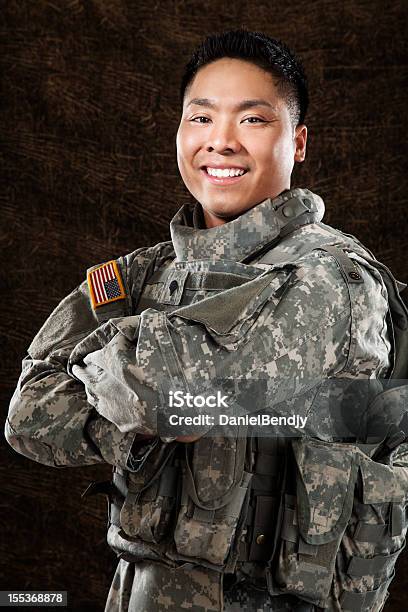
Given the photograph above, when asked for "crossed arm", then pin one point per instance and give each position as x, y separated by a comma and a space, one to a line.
89, 399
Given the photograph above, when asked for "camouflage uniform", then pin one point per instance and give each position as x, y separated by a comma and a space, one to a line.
201, 310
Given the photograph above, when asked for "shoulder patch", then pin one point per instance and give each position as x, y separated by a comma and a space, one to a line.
105, 284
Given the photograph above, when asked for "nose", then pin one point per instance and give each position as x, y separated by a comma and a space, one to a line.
222, 138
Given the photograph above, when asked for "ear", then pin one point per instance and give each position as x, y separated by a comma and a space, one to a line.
300, 142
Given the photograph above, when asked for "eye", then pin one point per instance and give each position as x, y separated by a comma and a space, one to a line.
256, 119
200, 117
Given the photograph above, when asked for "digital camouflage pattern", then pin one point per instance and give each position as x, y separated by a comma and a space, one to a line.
160, 588
290, 325
245, 235
207, 313
50, 419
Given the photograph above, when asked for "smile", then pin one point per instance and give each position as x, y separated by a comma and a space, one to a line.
225, 176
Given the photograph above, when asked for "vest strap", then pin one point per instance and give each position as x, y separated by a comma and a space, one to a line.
168, 481
365, 532
266, 464
398, 520
307, 549
289, 530
348, 268
204, 516
120, 483
114, 514
362, 602
359, 567
263, 528
208, 280
263, 483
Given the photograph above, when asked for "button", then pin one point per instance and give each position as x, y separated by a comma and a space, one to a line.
288, 211
354, 275
260, 539
173, 286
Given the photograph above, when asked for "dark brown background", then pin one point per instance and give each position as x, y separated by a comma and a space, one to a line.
90, 113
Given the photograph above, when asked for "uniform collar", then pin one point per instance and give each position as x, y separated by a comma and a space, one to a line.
248, 233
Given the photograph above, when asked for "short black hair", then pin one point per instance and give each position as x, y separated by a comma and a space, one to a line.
268, 53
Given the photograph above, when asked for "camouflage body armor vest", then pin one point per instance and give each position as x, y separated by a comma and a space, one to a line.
333, 545
338, 542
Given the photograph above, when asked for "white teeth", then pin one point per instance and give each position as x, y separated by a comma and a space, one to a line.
225, 173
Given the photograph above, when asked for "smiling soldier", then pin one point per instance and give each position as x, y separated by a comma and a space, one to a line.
252, 285
237, 148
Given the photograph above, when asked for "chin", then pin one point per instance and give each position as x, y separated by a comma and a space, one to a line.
225, 214
227, 210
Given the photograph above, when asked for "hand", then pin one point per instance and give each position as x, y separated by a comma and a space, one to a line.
102, 335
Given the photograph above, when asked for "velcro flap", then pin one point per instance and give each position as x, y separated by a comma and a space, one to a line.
359, 567
225, 312
326, 478
382, 483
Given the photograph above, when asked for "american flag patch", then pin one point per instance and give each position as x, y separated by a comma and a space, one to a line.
105, 284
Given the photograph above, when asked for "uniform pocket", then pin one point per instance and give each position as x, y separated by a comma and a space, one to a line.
150, 504
374, 538
315, 518
343, 530
230, 316
215, 486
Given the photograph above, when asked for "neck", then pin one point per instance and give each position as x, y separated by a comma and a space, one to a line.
213, 220
244, 235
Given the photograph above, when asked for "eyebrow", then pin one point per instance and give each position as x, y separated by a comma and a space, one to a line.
244, 105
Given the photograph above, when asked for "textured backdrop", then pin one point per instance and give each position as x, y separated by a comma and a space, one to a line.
90, 113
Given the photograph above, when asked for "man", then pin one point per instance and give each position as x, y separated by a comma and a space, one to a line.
252, 294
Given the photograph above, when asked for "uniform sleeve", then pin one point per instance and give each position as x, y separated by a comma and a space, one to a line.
50, 419
285, 332
400, 458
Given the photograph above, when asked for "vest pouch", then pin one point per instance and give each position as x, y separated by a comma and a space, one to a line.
374, 538
215, 486
150, 504
314, 520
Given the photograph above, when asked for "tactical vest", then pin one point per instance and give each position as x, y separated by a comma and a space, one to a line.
335, 545
338, 550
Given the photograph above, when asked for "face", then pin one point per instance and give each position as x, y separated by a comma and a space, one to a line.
233, 119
